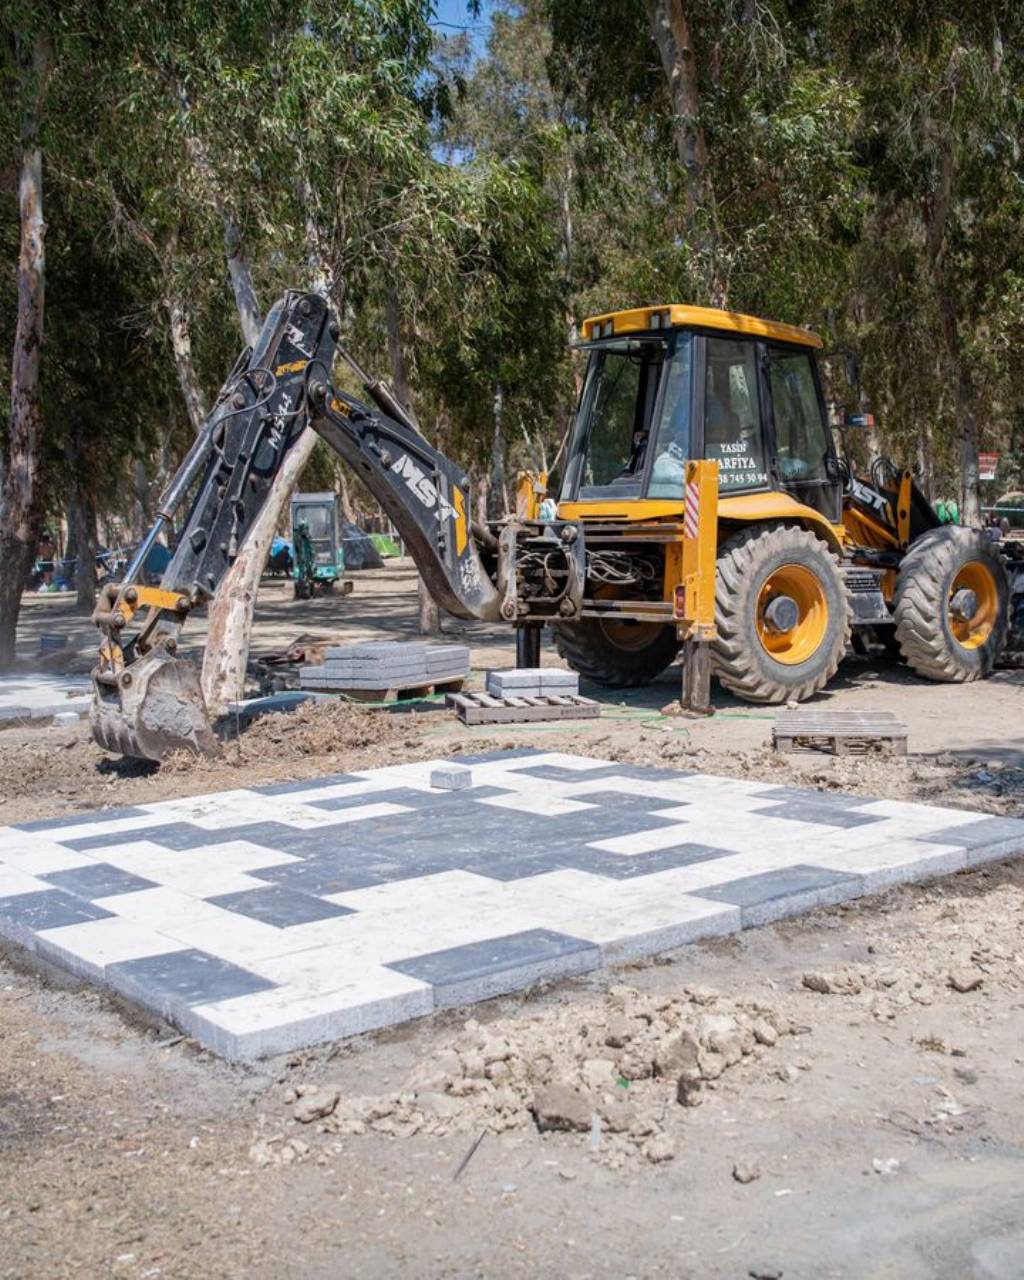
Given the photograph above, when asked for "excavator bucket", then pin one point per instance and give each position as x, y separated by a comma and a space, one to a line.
154, 708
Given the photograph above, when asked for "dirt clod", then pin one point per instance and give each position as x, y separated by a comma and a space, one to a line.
560, 1106
315, 1105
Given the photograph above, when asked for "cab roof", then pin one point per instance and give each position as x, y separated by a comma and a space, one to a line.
676, 315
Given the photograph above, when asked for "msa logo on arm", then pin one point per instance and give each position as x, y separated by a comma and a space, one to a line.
870, 498
417, 482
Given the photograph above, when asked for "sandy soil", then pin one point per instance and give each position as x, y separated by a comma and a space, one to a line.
884, 1139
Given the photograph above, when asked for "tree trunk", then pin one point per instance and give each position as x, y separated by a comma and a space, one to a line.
81, 526
181, 345
399, 377
140, 501
498, 503
925, 468
348, 511
84, 528
241, 280
234, 252
428, 616
230, 620
483, 491
19, 498
936, 216
670, 27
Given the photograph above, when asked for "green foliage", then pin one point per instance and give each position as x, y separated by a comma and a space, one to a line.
485, 204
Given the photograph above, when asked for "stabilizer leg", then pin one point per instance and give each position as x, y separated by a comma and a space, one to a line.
528, 646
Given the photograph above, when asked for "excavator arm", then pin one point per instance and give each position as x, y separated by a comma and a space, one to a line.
147, 701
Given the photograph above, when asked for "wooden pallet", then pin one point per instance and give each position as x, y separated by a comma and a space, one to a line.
402, 692
482, 708
843, 733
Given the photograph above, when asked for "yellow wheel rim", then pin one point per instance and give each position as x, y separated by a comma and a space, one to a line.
626, 634
802, 640
629, 635
972, 632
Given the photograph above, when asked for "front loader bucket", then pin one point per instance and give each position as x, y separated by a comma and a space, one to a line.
155, 707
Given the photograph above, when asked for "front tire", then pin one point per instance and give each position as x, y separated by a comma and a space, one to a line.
940, 637
614, 652
756, 655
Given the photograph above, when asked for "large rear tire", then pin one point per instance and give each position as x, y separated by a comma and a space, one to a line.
616, 652
768, 577
1013, 649
952, 604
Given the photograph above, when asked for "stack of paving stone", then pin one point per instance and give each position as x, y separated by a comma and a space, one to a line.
387, 664
533, 682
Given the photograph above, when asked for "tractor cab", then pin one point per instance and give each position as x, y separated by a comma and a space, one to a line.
668, 384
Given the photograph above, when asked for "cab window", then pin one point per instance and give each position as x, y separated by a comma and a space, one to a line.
732, 415
622, 383
802, 441
672, 437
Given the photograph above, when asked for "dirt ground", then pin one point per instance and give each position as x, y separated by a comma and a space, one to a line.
858, 1116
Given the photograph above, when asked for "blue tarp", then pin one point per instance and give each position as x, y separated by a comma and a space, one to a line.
157, 560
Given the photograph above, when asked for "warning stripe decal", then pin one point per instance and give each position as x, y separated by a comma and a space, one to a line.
691, 509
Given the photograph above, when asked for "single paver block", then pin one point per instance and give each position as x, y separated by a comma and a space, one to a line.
452, 777
267, 919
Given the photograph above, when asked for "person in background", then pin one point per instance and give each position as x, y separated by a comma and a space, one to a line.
44, 562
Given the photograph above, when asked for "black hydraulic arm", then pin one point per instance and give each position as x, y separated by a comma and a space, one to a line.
276, 390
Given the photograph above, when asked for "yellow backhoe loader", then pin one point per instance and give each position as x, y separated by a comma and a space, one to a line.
775, 567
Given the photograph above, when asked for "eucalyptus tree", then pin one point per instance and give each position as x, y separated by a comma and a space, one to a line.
26, 67
940, 135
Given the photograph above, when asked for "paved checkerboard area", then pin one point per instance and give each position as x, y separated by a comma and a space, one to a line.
267, 919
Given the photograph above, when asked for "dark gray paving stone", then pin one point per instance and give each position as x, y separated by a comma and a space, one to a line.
279, 905
774, 895
626, 866
329, 875
559, 773
480, 960
611, 798
646, 773
77, 820
602, 822
826, 815
189, 976
306, 784
749, 890
48, 909
172, 835
98, 881
808, 795
407, 796
507, 866
973, 835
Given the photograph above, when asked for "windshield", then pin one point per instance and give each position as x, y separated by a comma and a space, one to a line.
619, 395
634, 421
319, 520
